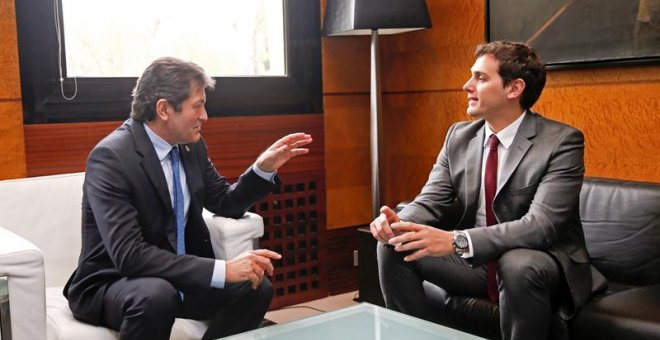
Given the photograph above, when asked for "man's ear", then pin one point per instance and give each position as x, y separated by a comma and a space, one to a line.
162, 109
515, 88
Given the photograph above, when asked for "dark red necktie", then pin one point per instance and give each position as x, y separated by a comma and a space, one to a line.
490, 188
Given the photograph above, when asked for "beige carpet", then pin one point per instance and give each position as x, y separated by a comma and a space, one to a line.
311, 308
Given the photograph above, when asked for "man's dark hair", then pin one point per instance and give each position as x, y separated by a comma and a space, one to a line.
517, 60
166, 78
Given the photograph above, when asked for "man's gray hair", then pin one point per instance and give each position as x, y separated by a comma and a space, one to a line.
170, 79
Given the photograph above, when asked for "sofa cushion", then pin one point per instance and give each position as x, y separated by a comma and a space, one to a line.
621, 222
62, 325
630, 314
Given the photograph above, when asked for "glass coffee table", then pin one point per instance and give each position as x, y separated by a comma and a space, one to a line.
362, 321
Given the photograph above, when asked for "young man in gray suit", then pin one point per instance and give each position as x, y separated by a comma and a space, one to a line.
513, 178
146, 257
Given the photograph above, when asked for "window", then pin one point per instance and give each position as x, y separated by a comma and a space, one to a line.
229, 38
265, 54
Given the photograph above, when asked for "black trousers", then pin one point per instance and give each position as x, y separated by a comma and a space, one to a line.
145, 308
528, 283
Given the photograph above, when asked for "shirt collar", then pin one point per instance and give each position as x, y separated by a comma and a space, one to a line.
507, 134
162, 147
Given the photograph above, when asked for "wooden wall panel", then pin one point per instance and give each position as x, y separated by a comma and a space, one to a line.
10, 82
438, 58
622, 76
62, 148
12, 145
347, 164
342, 275
234, 143
346, 64
619, 122
415, 130
12, 148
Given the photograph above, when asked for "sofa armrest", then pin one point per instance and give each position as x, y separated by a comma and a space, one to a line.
22, 263
232, 237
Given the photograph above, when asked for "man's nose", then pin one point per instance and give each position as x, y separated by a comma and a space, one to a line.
467, 86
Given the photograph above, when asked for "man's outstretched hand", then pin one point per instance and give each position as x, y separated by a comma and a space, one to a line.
281, 151
251, 266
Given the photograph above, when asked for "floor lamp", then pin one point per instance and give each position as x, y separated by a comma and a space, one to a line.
374, 17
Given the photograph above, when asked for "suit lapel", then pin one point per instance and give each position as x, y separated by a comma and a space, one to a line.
473, 172
190, 164
519, 147
151, 166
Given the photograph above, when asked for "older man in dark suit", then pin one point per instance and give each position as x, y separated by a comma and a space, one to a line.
146, 257
513, 178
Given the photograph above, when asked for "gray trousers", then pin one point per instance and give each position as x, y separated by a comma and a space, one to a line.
528, 283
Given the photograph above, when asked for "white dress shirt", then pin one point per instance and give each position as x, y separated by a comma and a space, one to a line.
506, 137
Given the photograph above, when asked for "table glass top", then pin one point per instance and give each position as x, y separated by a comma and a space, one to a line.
362, 321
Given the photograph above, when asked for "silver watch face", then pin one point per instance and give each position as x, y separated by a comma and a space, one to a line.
461, 241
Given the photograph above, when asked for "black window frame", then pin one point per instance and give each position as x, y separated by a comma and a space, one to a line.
108, 99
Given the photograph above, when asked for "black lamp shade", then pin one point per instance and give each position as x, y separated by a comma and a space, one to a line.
360, 17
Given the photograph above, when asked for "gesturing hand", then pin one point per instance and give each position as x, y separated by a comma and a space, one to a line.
428, 241
281, 151
251, 266
381, 226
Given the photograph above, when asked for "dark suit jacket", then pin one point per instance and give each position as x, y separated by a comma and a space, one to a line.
128, 225
537, 207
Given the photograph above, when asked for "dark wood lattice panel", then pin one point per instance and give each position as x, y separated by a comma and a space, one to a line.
294, 225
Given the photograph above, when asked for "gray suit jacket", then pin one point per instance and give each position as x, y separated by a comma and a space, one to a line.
537, 207
128, 224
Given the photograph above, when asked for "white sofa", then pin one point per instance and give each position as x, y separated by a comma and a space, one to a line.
39, 248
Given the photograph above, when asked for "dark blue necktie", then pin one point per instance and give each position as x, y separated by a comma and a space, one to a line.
178, 203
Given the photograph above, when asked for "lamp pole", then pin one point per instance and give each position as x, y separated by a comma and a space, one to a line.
361, 17
375, 124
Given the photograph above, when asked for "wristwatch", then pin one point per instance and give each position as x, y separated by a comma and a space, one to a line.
460, 242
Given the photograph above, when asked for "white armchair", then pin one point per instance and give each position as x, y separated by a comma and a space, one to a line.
39, 247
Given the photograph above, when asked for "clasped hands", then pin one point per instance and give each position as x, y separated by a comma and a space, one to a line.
420, 239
